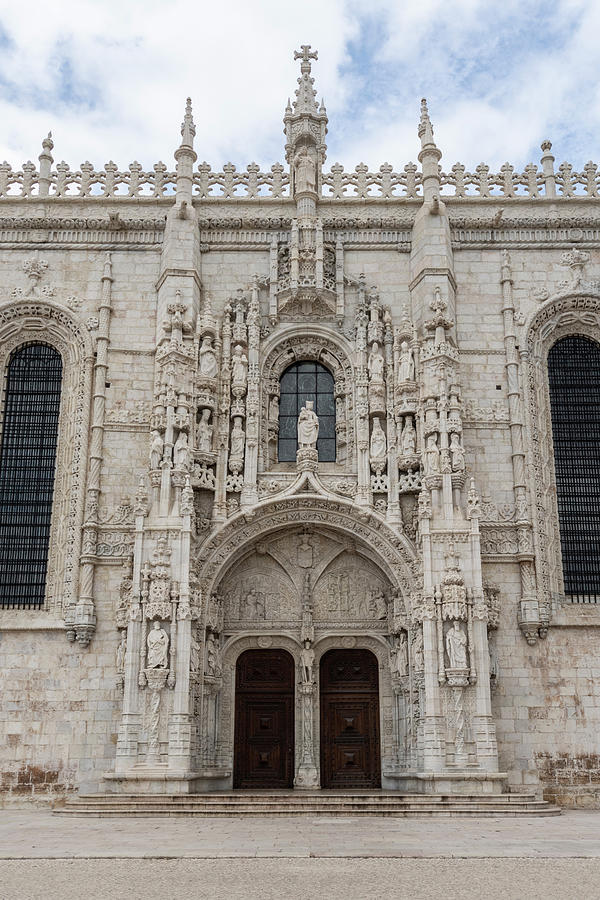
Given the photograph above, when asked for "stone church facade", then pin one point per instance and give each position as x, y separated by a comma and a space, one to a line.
205, 603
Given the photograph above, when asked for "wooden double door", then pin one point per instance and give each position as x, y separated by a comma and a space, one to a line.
264, 720
350, 757
265, 714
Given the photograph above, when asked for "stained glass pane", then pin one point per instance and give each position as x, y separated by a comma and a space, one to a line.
299, 383
574, 379
27, 460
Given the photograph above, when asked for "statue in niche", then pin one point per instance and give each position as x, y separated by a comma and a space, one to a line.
457, 453
213, 656
238, 438
376, 364
308, 426
406, 370
158, 647
432, 456
274, 408
121, 651
208, 358
239, 367
408, 438
399, 656
254, 605
304, 171
181, 451
378, 447
156, 450
307, 661
194, 655
204, 431
418, 652
456, 646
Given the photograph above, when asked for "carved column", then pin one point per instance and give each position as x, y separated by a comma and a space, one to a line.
307, 777
533, 619
483, 725
83, 623
180, 722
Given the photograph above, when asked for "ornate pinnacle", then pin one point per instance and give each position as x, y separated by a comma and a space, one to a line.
305, 54
188, 129
425, 130
48, 143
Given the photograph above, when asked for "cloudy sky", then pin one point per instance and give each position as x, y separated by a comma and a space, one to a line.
110, 78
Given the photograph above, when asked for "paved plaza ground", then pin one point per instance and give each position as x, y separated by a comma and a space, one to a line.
47, 857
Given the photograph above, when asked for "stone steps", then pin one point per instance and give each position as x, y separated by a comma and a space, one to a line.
245, 803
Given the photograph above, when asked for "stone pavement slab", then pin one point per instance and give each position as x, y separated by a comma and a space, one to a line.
37, 834
300, 879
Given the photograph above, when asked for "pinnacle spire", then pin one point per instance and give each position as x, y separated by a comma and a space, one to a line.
306, 95
188, 129
425, 130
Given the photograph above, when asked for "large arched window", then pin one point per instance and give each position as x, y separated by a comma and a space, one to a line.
27, 462
574, 378
301, 382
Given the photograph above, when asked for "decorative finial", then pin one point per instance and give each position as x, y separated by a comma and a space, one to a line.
425, 130
48, 143
188, 129
305, 54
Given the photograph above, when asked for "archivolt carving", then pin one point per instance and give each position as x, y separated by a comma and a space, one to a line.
558, 318
390, 551
35, 321
323, 347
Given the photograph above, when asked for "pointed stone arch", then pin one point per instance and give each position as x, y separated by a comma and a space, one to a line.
391, 552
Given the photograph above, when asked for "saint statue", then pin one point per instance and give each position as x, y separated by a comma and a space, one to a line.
239, 367
204, 431
238, 438
456, 647
308, 426
156, 450
406, 371
408, 438
457, 454
378, 447
380, 605
304, 169
208, 359
376, 364
400, 656
213, 656
121, 650
158, 647
194, 656
307, 661
181, 451
274, 408
418, 652
432, 456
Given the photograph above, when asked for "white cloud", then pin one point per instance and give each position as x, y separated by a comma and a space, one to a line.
110, 79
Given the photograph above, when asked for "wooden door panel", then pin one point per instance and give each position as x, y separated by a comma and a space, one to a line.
264, 721
349, 721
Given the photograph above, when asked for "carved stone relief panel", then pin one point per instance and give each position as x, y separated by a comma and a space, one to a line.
259, 592
350, 590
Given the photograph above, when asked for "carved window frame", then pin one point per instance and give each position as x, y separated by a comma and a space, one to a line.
328, 352
36, 321
562, 317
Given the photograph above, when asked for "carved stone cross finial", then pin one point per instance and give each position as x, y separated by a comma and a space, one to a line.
305, 55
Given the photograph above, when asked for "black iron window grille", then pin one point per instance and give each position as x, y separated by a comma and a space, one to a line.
574, 379
301, 382
27, 462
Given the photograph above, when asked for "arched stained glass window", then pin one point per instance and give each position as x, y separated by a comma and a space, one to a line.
27, 462
301, 382
574, 379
